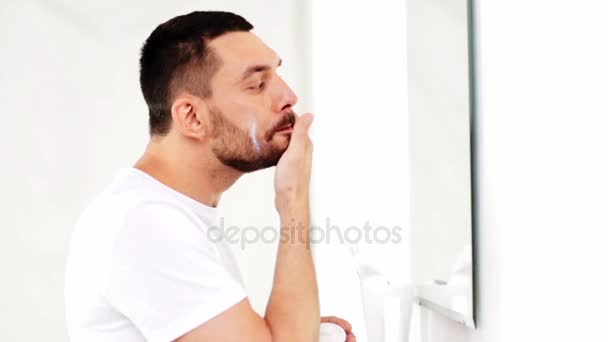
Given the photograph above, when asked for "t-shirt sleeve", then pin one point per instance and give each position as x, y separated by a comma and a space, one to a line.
165, 275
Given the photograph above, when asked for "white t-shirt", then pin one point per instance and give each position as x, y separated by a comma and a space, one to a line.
143, 267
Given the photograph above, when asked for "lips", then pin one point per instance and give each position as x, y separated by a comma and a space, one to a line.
285, 128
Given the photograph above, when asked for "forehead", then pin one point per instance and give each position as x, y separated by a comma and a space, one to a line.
240, 50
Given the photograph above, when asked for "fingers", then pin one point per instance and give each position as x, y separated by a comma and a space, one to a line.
350, 336
339, 321
303, 123
301, 126
301, 144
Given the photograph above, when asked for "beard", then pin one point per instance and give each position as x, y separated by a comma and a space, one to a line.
245, 151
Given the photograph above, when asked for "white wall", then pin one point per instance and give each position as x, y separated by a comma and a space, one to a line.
360, 136
543, 166
72, 114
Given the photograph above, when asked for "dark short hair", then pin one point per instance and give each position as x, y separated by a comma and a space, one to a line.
176, 57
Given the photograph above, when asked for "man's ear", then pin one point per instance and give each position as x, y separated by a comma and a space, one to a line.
189, 115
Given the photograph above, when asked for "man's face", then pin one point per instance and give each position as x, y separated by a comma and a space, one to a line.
251, 106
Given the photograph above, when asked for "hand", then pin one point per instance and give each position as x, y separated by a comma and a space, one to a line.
292, 175
350, 337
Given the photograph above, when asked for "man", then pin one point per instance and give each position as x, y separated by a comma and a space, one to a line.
142, 266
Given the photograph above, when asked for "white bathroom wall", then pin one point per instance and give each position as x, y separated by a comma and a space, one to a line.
360, 138
542, 175
73, 114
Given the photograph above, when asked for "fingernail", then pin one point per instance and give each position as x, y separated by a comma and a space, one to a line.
308, 120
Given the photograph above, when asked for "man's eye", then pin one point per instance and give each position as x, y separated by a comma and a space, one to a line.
257, 86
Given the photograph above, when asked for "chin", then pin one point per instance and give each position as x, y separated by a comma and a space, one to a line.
281, 141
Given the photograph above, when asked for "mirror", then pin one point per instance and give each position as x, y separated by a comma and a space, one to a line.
441, 202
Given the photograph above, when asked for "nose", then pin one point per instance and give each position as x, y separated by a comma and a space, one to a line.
285, 97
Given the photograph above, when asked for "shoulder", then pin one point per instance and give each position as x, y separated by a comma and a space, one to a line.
154, 221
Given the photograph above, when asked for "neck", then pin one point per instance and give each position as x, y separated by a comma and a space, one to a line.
184, 169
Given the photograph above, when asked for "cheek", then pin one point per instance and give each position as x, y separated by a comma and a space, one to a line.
244, 114
257, 104
254, 137
246, 110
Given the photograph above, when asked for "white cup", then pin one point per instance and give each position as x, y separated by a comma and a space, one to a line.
330, 332
387, 308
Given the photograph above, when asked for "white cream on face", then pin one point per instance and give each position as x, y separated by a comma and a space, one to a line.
253, 130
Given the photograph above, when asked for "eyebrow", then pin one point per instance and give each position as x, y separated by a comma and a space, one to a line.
258, 68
